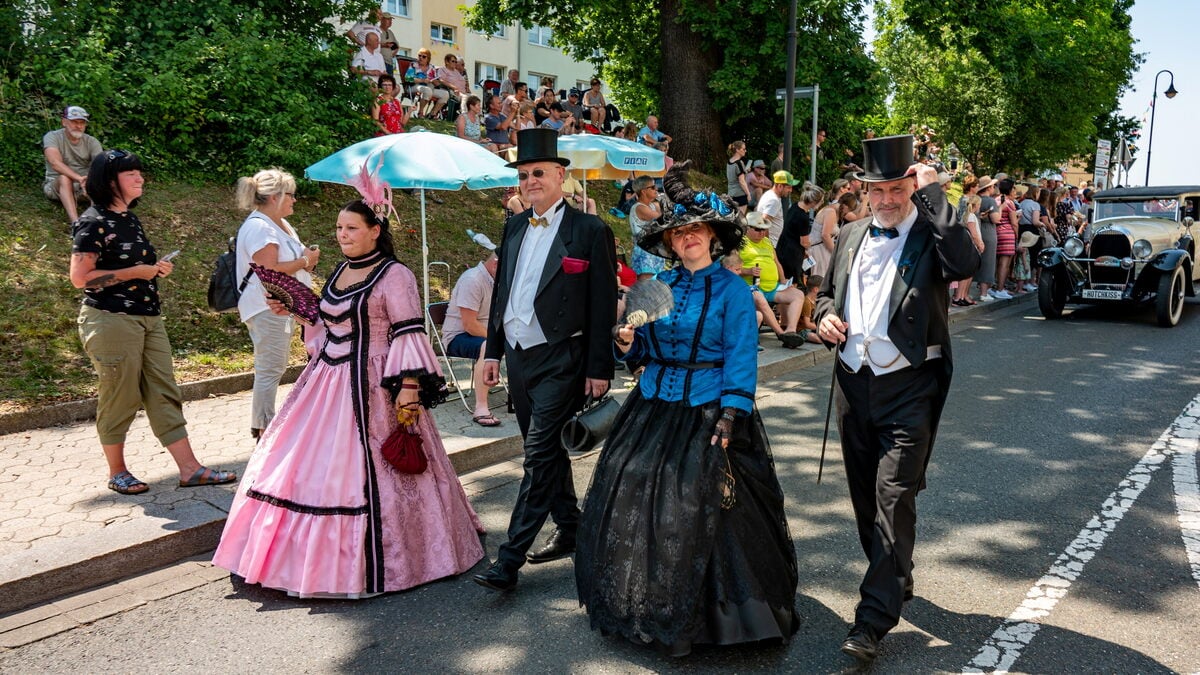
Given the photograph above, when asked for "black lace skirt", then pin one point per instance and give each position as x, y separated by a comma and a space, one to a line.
658, 560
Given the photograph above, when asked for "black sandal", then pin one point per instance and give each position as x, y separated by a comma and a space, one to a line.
124, 483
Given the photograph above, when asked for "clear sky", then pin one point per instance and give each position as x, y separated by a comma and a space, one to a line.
1167, 32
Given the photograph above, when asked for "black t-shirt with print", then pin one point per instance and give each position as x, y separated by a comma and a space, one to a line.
120, 242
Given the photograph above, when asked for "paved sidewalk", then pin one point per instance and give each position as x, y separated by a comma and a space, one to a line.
62, 531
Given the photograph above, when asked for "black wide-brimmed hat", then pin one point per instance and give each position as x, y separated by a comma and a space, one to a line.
537, 145
886, 159
689, 207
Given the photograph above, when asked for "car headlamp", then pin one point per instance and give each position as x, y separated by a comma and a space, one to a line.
1073, 247
1142, 249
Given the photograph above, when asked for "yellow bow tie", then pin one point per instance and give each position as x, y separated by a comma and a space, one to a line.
534, 221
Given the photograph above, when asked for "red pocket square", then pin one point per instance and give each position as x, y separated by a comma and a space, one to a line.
574, 265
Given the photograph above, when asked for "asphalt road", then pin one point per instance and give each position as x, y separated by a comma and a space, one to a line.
1045, 422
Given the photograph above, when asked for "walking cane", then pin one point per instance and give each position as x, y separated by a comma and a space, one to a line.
828, 414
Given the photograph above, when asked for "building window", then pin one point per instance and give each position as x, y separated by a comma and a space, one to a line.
396, 7
489, 71
540, 35
404, 52
583, 85
501, 32
441, 33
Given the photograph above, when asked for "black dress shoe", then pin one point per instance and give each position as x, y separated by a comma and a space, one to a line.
861, 643
497, 578
560, 545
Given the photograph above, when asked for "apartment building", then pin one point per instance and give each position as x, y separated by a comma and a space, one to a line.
438, 26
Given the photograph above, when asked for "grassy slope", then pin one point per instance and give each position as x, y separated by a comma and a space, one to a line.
39, 346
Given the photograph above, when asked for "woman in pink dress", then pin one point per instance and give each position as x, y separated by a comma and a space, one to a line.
319, 512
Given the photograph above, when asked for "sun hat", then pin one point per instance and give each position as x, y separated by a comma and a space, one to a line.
691, 206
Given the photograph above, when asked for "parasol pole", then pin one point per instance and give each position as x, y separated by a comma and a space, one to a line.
424, 256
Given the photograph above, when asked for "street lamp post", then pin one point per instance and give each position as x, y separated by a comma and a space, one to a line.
1170, 93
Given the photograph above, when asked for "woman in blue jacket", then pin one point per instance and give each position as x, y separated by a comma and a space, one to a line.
683, 538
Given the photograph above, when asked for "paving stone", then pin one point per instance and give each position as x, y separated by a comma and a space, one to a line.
170, 587
28, 616
32, 534
109, 607
36, 631
90, 597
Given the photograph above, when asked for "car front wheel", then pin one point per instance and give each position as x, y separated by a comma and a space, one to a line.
1169, 302
1052, 295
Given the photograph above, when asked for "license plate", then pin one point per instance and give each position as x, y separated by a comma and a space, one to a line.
1092, 294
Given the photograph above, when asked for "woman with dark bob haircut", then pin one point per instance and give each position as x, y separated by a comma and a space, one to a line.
121, 326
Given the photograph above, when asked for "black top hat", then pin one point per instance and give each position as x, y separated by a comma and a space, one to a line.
537, 145
886, 159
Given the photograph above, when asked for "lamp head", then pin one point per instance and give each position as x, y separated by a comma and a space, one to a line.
1171, 91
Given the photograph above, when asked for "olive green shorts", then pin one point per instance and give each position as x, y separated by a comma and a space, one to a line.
132, 356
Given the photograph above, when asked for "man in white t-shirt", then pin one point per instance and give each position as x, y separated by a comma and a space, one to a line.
69, 152
358, 32
770, 204
465, 329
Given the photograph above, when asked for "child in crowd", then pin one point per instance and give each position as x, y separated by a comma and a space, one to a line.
762, 308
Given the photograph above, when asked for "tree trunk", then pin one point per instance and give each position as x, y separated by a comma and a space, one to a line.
688, 115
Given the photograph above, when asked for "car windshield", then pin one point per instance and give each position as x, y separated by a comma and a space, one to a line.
1145, 208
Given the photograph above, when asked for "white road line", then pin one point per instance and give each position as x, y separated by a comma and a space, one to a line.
1187, 500
1003, 648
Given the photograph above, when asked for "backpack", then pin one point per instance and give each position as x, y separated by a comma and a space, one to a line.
223, 287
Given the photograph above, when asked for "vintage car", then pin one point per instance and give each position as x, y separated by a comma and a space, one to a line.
1141, 250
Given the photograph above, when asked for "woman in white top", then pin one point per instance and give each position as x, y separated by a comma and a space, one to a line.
267, 239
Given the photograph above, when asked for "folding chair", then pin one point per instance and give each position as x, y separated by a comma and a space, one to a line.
436, 314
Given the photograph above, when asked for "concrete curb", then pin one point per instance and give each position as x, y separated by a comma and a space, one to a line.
149, 542
77, 411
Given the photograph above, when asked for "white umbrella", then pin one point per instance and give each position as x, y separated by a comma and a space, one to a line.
421, 161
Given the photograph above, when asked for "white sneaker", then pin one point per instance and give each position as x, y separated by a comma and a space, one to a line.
987, 297
1030, 286
1003, 295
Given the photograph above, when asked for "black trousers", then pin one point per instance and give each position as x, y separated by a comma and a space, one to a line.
546, 384
887, 424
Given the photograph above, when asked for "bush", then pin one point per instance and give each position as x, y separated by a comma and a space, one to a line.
200, 90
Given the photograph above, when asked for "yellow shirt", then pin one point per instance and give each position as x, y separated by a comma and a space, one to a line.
763, 255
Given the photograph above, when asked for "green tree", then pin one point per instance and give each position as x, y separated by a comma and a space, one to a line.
1016, 84
210, 89
710, 69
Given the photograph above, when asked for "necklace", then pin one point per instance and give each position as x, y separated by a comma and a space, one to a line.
364, 261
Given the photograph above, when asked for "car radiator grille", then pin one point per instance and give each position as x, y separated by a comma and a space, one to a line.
1117, 246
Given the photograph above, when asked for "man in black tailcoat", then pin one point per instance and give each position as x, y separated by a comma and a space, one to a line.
884, 305
553, 309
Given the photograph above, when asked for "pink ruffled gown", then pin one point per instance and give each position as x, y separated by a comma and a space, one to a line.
319, 513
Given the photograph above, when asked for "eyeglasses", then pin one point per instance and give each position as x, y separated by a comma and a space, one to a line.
115, 154
536, 173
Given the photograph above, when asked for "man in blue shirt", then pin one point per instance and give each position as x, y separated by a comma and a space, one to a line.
649, 134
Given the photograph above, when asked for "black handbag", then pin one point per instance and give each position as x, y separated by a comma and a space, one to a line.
591, 425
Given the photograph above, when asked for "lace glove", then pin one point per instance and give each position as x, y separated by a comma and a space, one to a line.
724, 428
726, 484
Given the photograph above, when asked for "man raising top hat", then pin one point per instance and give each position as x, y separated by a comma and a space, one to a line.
883, 304
553, 309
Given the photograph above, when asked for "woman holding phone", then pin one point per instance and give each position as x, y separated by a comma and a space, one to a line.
267, 239
121, 326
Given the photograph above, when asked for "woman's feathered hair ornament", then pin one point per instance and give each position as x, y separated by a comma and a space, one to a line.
375, 191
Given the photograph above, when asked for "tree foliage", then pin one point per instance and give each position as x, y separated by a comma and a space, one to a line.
200, 89
1015, 84
710, 69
